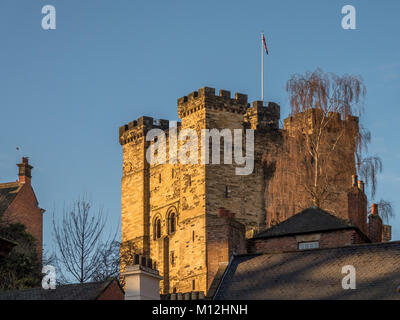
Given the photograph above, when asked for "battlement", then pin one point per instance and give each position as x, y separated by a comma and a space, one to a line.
312, 114
260, 116
139, 128
205, 98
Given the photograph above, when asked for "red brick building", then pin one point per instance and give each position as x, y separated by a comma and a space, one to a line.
310, 229
18, 204
302, 257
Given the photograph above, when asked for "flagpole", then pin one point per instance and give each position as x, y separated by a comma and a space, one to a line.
262, 68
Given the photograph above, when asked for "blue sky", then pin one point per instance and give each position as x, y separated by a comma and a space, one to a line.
65, 92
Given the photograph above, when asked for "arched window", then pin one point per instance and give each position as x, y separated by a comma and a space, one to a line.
157, 229
171, 221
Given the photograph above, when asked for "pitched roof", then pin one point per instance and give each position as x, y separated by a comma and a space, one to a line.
309, 220
315, 274
80, 291
8, 192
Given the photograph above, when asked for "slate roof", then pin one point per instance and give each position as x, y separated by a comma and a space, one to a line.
309, 220
8, 192
314, 274
80, 291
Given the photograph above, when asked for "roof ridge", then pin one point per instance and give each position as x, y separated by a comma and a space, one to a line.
5, 185
289, 223
336, 217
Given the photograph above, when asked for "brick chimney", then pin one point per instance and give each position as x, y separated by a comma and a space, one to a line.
357, 205
375, 226
225, 236
24, 172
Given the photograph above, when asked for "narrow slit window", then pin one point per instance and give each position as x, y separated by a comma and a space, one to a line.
157, 229
227, 192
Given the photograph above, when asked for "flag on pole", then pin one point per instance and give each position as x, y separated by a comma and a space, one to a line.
265, 44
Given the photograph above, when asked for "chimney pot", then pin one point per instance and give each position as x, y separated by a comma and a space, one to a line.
374, 209
221, 212
354, 180
149, 263
361, 185
24, 171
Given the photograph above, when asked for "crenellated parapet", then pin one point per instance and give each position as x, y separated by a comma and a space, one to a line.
260, 116
206, 98
310, 116
138, 128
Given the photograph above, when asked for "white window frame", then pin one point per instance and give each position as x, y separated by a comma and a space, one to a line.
309, 245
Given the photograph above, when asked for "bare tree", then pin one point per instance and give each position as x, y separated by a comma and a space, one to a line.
80, 241
128, 249
324, 143
319, 102
386, 210
109, 262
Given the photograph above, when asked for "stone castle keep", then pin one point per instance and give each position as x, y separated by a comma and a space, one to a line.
170, 211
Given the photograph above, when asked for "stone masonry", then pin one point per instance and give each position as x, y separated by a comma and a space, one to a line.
168, 210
